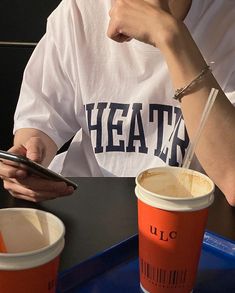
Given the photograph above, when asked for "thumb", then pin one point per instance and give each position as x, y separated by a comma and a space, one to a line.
18, 150
35, 149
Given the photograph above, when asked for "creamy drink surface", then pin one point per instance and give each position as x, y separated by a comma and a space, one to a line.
174, 184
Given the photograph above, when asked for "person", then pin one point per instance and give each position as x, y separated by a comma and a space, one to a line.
109, 76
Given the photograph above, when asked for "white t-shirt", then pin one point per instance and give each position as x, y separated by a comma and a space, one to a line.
115, 98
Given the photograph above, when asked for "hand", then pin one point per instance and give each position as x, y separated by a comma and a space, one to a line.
26, 186
147, 22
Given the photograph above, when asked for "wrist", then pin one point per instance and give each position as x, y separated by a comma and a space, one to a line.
172, 36
182, 55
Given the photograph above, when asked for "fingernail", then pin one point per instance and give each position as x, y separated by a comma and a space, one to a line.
70, 189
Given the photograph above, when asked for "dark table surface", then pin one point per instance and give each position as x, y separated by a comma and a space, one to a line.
103, 211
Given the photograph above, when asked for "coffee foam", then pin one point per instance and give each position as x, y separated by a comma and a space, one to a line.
174, 184
174, 189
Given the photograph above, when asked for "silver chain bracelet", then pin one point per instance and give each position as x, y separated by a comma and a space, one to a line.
179, 93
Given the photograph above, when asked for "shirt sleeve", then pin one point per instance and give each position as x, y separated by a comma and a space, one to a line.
47, 96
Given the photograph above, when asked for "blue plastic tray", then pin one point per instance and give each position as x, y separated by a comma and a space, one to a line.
116, 270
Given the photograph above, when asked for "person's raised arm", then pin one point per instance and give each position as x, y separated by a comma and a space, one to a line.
216, 148
154, 23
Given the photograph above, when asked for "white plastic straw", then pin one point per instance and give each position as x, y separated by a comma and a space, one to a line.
192, 146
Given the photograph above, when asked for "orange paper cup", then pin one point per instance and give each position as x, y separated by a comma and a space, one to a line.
33, 242
172, 214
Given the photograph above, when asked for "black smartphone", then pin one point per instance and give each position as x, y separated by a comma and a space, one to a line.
33, 167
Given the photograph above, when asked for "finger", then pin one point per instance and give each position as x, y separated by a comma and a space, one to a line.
114, 30
35, 182
38, 198
35, 149
7, 171
22, 192
22, 196
115, 33
18, 149
120, 38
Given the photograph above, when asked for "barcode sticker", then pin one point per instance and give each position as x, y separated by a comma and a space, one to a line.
162, 277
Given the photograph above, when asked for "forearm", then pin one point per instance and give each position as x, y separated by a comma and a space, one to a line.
153, 23
216, 148
47, 145
185, 62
